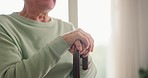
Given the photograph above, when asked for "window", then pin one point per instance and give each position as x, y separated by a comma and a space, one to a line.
94, 16
9, 6
60, 10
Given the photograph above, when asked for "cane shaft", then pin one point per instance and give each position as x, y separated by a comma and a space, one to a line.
76, 64
85, 63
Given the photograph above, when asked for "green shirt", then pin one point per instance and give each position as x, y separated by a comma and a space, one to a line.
31, 49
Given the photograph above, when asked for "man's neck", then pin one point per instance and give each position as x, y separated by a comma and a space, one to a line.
35, 15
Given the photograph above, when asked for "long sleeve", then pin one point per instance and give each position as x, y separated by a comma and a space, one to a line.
30, 49
13, 66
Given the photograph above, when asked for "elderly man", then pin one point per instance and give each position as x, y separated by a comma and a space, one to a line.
35, 45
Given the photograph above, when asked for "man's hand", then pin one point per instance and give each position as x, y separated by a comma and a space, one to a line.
80, 40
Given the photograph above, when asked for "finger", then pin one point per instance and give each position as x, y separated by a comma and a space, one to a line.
83, 40
83, 48
78, 45
85, 54
91, 41
72, 48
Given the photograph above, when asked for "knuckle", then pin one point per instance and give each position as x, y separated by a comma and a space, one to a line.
77, 32
89, 35
79, 29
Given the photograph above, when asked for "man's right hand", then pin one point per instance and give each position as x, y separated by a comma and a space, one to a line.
80, 40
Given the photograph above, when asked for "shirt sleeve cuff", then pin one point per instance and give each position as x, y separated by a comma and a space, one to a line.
59, 46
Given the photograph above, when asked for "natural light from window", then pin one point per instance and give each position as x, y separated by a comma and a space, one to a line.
94, 16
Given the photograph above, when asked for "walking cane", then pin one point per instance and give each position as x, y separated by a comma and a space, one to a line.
76, 64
